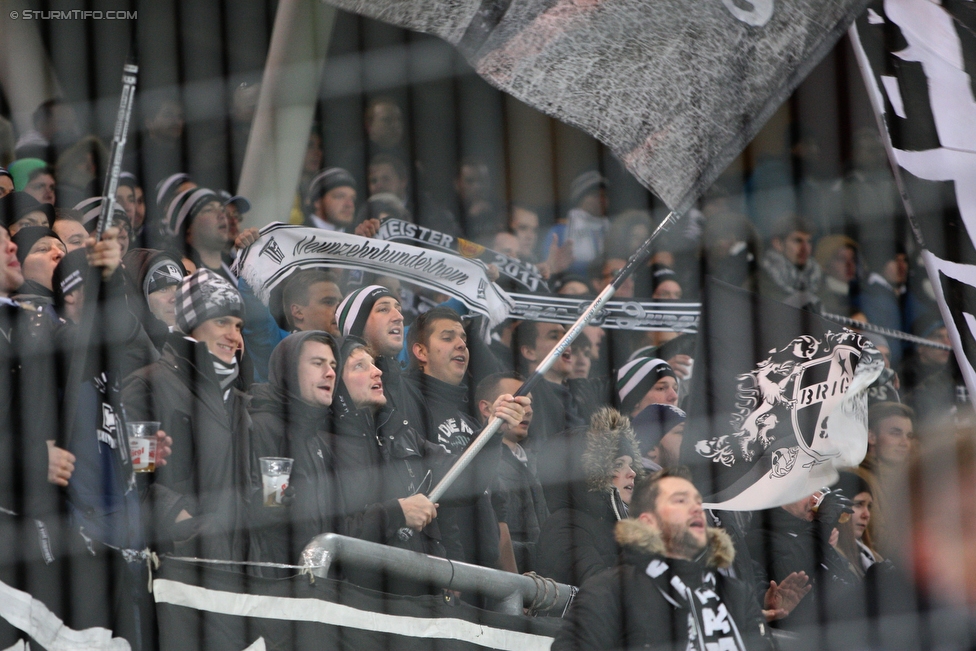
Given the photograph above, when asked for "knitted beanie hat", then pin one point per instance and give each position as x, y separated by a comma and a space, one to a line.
205, 295
353, 312
636, 378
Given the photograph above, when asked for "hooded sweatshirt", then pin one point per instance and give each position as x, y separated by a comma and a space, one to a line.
285, 425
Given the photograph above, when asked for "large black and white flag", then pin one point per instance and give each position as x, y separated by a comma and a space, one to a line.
919, 63
205, 608
676, 89
779, 404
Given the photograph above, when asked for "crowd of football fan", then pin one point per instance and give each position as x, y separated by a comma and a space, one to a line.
374, 388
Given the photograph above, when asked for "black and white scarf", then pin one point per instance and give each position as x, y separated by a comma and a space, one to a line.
226, 374
710, 625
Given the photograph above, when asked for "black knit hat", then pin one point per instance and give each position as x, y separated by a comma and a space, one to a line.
353, 312
584, 184
636, 378
28, 237
329, 179
69, 275
205, 295
20, 204
185, 207
91, 209
661, 273
852, 484
653, 422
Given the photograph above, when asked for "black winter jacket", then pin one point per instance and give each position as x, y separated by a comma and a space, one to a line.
526, 510
469, 527
782, 544
285, 427
208, 472
638, 604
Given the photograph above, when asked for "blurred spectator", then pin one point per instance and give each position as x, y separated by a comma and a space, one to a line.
332, 194
477, 212
518, 479
81, 171
23, 210
838, 257
886, 298
196, 219
387, 173
891, 439
797, 537
664, 284
234, 208
7, 154
129, 195
789, 272
730, 248
871, 201
854, 539
585, 224
607, 271
523, 223
160, 152
55, 129
311, 164
6, 182
91, 210
506, 243
659, 429
577, 541
555, 407
41, 185
384, 125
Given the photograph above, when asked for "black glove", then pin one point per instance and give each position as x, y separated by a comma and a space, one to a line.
833, 505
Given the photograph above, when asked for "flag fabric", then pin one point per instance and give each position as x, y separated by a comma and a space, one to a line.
676, 89
778, 404
918, 59
208, 608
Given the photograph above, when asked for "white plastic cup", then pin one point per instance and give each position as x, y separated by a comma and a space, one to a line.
142, 444
275, 473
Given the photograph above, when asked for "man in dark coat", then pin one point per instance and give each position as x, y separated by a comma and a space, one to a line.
796, 538
193, 391
518, 480
439, 350
666, 592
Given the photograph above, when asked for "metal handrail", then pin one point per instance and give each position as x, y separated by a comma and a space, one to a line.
513, 592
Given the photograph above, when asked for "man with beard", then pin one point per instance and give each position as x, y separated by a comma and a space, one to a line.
439, 351
667, 591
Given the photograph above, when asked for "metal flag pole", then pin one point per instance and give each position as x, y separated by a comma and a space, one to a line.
639, 257
93, 282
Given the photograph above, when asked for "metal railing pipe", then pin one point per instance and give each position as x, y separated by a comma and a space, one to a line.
513, 592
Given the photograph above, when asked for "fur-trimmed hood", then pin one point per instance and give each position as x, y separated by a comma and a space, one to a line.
636, 536
609, 431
